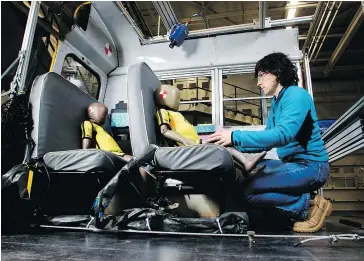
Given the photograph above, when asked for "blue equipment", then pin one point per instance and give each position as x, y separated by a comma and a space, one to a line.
178, 34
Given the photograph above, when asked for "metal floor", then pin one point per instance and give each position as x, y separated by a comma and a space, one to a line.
59, 245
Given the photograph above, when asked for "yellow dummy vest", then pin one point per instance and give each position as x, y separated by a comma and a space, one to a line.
178, 123
102, 139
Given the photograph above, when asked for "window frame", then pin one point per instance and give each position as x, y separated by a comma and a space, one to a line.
85, 66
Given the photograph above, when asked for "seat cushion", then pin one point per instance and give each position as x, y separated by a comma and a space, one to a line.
84, 161
194, 158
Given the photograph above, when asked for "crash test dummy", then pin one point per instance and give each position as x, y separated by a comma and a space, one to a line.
95, 136
174, 127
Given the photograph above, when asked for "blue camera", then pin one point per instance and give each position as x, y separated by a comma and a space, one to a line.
178, 34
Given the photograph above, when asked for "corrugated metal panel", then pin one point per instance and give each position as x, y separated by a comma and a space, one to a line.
179, 74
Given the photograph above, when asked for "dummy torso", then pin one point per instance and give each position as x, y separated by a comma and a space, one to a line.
178, 123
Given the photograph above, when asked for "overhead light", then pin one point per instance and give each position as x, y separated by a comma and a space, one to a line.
292, 11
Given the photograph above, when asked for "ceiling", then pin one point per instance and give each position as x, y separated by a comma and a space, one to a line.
350, 64
219, 14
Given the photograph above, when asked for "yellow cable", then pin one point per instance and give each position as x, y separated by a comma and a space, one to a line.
54, 56
30, 182
78, 8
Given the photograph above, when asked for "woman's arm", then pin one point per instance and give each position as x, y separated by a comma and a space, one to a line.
295, 107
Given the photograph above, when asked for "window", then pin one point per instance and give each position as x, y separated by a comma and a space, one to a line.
242, 100
81, 76
195, 96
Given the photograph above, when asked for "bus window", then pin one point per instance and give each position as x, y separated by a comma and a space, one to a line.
81, 76
195, 96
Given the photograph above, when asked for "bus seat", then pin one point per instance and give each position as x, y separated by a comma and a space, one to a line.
183, 163
58, 109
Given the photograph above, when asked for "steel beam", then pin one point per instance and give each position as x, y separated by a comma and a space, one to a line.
315, 43
131, 21
341, 136
42, 22
299, 72
235, 28
293, 21
166, 13
215, 96
358, 145
344, 139
18, 83
346, 117
328, 29
304, 37
313, 25
215, 13
345, 40
10, 67
308, 75
262, 14
246, 12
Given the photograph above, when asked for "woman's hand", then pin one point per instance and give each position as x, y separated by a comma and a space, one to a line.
222, 138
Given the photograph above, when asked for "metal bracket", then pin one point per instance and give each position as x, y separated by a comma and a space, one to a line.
251, 236
267, 24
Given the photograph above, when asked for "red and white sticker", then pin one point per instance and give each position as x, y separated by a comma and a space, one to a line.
163, 94
91, 109
108, 49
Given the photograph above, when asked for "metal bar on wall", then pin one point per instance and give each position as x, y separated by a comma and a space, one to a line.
214, 95
182, 74
18, 83
262, 14
221, 100
292, 21
308, 75
248, 98
235, 28
264, 111
197, 101
299, 72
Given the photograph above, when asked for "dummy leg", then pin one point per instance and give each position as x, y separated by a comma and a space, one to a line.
244, 164
143, 181
147, 185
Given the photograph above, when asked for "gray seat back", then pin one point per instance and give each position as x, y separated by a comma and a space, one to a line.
58, 109
142, 82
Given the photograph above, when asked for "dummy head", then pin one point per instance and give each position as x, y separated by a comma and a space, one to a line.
167, 96
97, 113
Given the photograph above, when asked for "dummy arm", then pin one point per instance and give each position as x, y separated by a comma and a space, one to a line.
172, 135
86, 143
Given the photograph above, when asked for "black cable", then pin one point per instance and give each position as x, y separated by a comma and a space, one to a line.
203, 17
49, 178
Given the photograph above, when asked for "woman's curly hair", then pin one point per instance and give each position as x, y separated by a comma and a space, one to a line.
279, 65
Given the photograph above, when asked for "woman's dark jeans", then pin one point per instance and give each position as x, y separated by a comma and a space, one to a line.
284, 187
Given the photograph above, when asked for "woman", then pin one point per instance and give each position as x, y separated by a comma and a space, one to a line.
284, 186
